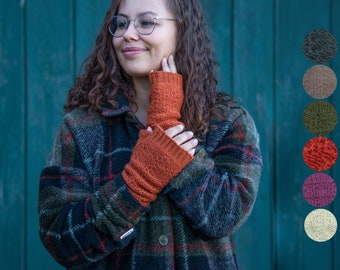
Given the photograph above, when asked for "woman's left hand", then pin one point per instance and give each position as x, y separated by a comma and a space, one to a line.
168, 64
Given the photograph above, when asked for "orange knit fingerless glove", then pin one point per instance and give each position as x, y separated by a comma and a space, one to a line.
166, 99
155, 160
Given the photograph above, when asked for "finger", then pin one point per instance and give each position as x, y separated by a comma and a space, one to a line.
172, 65
173, 131
189, 145
165, 66
183, 137
192, 151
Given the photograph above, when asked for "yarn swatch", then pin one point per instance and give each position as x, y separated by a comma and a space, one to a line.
319, 189
320, 225
319, 81
320, 117
320, 153
320, 46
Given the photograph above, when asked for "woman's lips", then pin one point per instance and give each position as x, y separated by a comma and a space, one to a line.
132, 51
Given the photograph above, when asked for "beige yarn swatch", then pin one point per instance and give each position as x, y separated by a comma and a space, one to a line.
319, 81
320, 225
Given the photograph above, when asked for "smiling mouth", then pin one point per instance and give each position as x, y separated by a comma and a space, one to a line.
133, 51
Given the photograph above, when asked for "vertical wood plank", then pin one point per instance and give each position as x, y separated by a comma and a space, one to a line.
294, 249
12, 116
49, 76
253, 80
218, 15
89, 17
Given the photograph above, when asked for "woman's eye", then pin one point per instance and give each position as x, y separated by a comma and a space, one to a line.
146, 23
121, 25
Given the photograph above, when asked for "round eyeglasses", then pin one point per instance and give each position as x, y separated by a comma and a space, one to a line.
144, 23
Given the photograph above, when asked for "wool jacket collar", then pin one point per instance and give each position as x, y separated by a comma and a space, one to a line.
123, 107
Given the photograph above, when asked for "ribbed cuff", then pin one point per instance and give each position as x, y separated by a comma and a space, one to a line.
161, 77
155, 161
170, 148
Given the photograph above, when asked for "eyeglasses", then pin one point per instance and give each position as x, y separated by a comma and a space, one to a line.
144, 23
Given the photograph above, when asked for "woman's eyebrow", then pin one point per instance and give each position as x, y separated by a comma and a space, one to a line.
139, 13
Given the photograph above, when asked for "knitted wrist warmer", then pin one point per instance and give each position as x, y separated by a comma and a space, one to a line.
166, 98
155, 160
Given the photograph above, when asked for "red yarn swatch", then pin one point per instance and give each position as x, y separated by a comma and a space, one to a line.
320, 153
319, 189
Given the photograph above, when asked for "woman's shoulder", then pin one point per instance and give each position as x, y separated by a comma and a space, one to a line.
79, 114
230, 117
78, 117
227, 110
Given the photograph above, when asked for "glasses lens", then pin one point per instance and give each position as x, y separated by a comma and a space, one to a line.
145, 24
118, 26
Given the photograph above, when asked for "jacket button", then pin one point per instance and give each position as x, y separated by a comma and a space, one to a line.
163, 240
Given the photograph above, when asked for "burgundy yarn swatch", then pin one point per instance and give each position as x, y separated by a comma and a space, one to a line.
320, 153
319, 189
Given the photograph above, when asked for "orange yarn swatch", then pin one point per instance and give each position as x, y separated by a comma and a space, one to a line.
320, 153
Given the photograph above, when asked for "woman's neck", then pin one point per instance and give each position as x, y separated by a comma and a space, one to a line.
142, 87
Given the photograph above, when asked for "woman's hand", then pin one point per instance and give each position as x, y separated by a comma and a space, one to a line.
168, 65
184, 139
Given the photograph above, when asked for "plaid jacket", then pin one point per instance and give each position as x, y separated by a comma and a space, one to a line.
89, 220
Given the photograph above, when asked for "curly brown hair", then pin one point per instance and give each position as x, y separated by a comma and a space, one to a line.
103, 78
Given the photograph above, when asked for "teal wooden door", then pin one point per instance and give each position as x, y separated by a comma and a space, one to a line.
259, 48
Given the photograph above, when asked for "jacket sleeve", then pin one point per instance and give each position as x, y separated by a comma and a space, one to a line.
77, 224
217, 190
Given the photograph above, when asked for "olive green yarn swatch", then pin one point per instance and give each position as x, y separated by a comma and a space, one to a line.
320, 117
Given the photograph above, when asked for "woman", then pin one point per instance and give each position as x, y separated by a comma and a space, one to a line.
151, 168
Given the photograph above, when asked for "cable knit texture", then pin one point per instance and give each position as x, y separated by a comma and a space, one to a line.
155, 160
166, 99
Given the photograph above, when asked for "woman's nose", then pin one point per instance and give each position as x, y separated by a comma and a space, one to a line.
131, 32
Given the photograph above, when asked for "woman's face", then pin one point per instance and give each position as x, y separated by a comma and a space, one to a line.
139, 54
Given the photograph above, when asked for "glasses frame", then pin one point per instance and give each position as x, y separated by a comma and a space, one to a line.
155, 19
